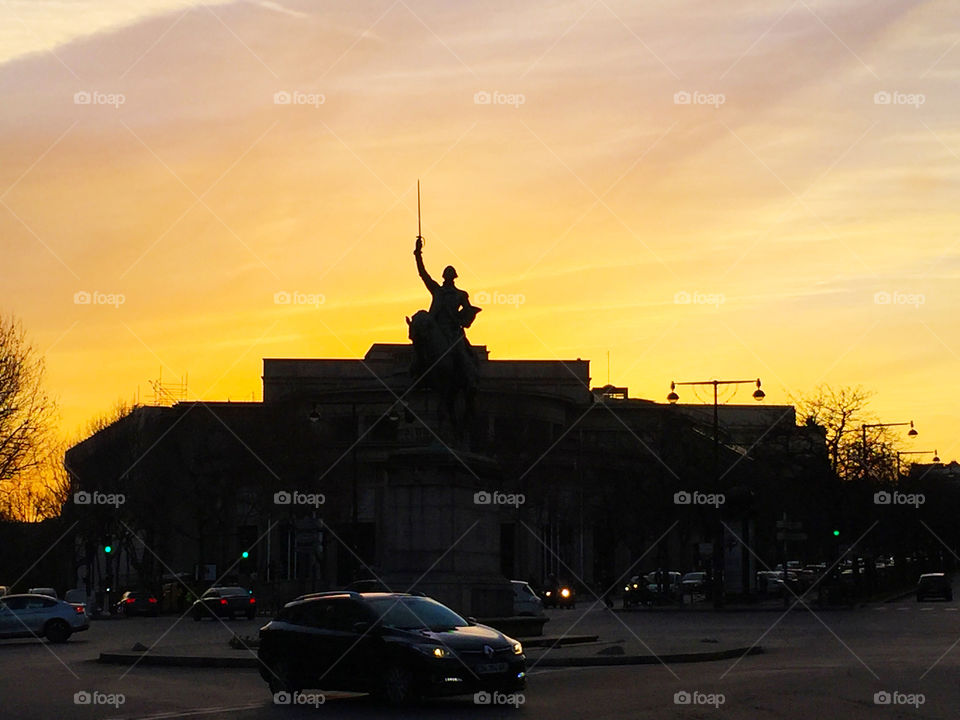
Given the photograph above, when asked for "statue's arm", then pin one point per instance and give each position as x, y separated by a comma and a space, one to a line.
424, 275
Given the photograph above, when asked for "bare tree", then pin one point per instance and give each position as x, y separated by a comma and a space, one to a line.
27, 414
842, 412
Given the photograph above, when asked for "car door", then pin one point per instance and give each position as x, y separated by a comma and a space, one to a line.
353, 653
8, 621
312, 646
17, 618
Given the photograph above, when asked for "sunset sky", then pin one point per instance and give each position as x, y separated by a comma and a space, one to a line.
796, 220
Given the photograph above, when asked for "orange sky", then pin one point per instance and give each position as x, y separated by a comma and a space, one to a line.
581, 206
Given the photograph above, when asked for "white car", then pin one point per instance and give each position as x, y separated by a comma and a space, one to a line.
40, 616
48, 591
525, 600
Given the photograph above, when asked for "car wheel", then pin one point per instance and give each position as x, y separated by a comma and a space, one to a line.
57, 631
396, 685
282, 677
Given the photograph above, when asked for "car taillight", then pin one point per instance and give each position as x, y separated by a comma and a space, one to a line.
130, 601
223, 601
253, 601
153, 600
81, 609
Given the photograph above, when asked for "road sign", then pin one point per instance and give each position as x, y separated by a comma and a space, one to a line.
783, 535
789, 525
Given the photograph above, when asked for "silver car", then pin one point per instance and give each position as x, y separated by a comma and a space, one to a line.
40, 616
525, 600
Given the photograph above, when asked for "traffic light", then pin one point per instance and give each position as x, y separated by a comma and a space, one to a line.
108, 549
245, 554
836, 533
106, 542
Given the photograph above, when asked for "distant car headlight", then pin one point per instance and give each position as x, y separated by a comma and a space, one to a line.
635, 586
517, 649
548, 593
565, 592
626, 587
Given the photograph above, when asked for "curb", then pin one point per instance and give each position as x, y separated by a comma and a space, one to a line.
648, 659
252, 662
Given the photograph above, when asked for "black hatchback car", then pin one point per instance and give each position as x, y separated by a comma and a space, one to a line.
397, 646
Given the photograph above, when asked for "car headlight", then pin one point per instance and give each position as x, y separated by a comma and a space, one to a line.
565, 592
548, 593
435, 651
626, 587
517, 649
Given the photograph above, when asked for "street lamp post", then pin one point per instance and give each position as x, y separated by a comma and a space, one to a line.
672, 398
936, 457
912, 432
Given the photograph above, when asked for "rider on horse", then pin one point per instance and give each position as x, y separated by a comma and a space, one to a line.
450, 312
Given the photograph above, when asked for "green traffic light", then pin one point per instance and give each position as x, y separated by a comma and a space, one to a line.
244, 554
108, 548
836, 533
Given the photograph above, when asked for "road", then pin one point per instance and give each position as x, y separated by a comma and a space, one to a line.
828, 665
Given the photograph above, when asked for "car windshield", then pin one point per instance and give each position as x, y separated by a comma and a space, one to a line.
227, 591
411, 613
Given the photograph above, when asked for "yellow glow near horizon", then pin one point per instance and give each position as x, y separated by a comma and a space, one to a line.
787, 222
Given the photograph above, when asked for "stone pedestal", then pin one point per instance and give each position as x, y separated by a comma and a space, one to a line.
434, 538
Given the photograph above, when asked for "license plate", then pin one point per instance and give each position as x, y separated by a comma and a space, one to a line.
491, 668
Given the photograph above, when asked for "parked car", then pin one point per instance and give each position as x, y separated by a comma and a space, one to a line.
394, 645
525, 600
48, 591
934, 585
225, 602
31, 615
770, 582
137, 602
557, 595
654, 588
694, 583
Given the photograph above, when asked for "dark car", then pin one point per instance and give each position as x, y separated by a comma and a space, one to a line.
559, 595
137, 602
934, 585
225, 602
397, 646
